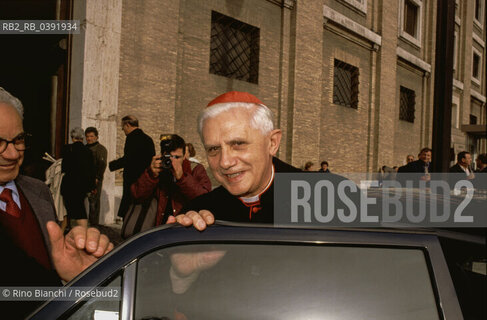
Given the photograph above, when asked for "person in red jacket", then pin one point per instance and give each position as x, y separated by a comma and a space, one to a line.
174, 179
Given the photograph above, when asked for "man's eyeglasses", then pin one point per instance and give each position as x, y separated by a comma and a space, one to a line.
20, 142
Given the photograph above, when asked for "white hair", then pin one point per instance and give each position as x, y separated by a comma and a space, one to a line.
77, 133
262, 117
7, 98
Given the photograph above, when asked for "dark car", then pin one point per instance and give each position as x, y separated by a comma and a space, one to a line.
261, 272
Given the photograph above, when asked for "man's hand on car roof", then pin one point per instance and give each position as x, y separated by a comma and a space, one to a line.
200, 220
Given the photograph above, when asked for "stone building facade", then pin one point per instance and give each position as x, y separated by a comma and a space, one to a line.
469, 78
350, 81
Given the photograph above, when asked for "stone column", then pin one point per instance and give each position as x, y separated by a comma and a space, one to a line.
284, 70
305, 87
387, 84
95, 81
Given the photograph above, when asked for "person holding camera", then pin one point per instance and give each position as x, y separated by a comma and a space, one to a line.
171, 178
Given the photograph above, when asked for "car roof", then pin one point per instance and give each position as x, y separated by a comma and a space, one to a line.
474, 235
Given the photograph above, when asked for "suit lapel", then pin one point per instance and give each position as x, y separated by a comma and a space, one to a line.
38, 204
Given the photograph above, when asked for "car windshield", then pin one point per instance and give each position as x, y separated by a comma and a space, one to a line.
282, 281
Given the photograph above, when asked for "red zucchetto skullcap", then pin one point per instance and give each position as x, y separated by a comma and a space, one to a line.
235, 96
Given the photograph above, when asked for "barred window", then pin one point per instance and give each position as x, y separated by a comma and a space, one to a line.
234, 48
407, 104
345, 84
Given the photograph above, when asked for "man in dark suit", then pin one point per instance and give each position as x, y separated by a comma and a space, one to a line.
27, 215
137, 156
481, 162
480, 181
462, 170
464, 160
419, 166
25, 203
413, 168
324, 167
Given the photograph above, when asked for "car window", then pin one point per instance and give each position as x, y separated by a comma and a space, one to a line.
261, 281
99, 308
467, 263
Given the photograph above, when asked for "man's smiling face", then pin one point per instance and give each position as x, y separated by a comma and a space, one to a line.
239, 155
10, 159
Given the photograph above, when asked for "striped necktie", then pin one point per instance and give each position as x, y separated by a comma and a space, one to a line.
12, 208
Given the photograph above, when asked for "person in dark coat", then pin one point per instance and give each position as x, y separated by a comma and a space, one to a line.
34, 249
464, 161
237, 131
481, 163
419, 166
137, 156
261, 210
100, 159
461, 170
79, 177
480, 181
241, 142
418, 170
324, 167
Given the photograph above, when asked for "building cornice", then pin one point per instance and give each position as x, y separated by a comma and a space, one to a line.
458, 84
457, 20
289, 4
477, 39
477, 95
349, 24
409, 57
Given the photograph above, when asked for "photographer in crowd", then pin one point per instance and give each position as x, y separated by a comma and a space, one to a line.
173, 179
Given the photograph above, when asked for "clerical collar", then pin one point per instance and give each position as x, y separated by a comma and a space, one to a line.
256, 198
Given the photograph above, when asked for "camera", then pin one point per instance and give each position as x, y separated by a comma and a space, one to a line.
170, 142
166, 161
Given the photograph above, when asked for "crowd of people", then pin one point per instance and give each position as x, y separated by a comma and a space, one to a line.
463, 164
461, 170
310, 166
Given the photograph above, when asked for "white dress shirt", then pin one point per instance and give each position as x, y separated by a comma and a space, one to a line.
15, 194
